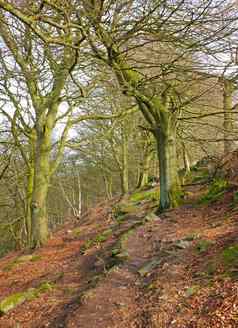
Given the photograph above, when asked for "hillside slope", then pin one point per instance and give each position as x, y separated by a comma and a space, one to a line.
124, 266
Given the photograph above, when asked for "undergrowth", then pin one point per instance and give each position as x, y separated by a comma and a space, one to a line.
215, 192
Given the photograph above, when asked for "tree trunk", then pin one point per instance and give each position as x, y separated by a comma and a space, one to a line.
28, 221
40, 190
79, 205
108, 185
186, 161
144, 171
169, 182
124, 181
125, 169
228, 89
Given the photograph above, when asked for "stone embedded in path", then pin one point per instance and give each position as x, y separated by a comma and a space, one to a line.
152, 217
148, 267
182, 244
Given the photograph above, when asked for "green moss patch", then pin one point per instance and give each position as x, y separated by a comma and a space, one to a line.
210, 269
150, 195
146, 269
235, 199
12, 301
192, 236
20, 260
122, 209
203, 245
76, 232
103, 236
201, 175
100, 238
190, 291
230, 256
215, 192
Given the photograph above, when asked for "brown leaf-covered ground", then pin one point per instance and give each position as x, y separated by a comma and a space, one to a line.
189, 286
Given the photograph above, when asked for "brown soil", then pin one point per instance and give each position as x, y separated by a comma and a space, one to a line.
92, 290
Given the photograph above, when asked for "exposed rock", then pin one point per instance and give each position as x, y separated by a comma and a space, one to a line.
151, 217
148, 267
182, 244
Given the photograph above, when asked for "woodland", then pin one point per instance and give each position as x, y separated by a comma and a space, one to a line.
118, 116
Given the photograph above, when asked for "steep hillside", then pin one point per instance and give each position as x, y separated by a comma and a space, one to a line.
123, 265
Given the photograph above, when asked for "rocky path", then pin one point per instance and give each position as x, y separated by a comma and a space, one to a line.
143, 271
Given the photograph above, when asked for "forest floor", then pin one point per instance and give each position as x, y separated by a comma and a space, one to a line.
124, 266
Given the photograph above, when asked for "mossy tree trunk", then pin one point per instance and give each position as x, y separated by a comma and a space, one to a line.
125, 168
161, 113
30, 185
44, 98
147, 157
143, 179
165, 135
107, 179
41, 185
120, 155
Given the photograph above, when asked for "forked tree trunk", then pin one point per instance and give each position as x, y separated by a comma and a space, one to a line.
170, 192
163, 124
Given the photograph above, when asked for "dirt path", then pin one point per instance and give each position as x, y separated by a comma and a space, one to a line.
145, 273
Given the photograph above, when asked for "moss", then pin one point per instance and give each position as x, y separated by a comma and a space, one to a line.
203, 245
9, 266
59, 276
192, 291
103, 236
76, 232
12, 301
124, 208
194, 168
120, 219
45, 286
215, 192
178, 197
35, 258
20, 260
230, 261
191, 237
230, 256
100, 238
146, 269
151, 286
235, 199
126, 235
115, 252
69, 290
120, 257
201, 175
150, 195
211, 269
